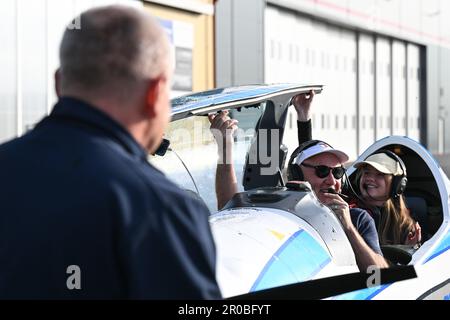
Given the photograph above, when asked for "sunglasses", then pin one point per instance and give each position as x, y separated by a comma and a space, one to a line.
324, 171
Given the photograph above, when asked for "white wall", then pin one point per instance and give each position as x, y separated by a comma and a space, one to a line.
383, 93
30, 34
413, 92
8, 75
316, 52
399, 88
366, 92
421, 21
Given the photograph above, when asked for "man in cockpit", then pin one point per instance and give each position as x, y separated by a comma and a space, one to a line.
322, 167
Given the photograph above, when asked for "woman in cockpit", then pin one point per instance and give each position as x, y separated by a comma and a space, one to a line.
381, 179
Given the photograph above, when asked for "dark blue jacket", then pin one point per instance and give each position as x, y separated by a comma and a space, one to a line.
78, 190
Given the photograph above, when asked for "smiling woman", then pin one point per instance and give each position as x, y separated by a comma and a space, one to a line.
382, 182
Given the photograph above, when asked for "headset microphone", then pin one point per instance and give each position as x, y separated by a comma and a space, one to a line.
331, 190
343, 196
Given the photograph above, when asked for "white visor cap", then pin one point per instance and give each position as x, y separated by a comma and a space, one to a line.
320, 148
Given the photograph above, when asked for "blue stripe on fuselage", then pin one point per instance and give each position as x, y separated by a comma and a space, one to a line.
300, 258
440, 249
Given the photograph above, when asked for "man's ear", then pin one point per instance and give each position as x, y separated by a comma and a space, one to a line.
57, 77
153, 96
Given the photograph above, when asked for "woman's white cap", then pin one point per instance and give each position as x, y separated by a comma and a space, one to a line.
382, 163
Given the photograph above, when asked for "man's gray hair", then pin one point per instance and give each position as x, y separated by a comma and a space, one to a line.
116, 48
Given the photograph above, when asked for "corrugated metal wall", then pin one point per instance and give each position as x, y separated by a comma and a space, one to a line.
372, 82
372, 85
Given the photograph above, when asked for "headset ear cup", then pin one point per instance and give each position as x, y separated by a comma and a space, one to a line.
291, 171
299, 173
294, 172
398, 186
402, 185
394, 187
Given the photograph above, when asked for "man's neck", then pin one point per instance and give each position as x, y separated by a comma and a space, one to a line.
124, 114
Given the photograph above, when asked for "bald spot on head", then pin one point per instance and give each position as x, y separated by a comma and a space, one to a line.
114, 52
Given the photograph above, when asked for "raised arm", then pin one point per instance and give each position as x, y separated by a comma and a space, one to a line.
302, 104
222, 128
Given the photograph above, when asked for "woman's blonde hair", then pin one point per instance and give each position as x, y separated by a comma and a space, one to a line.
395, 222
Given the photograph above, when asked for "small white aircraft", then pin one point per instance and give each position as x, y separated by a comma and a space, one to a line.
271, 234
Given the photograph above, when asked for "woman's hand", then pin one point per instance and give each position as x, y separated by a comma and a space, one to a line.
414, 236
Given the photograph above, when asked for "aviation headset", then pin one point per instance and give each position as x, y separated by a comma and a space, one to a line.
294, 173
398, 182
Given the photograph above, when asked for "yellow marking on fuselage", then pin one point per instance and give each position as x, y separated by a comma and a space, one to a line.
279, 236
